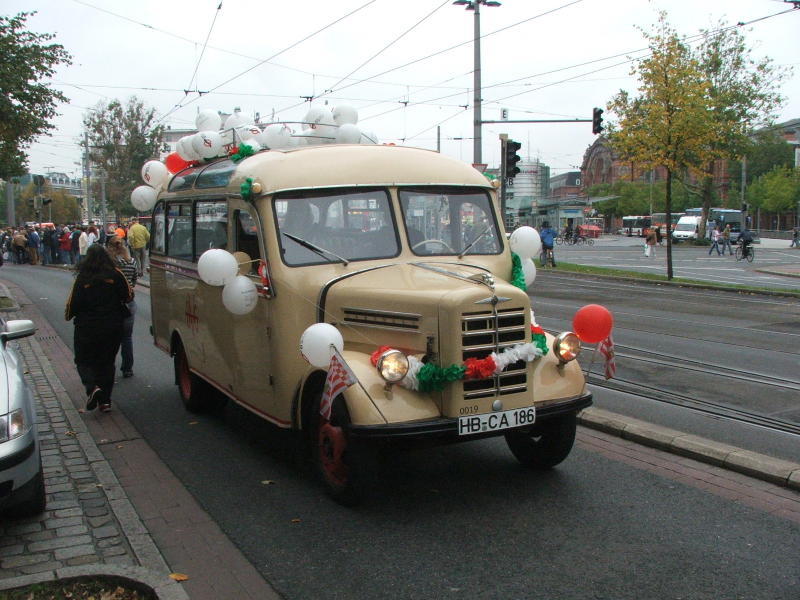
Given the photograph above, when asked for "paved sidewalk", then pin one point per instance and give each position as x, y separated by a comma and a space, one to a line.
113, 507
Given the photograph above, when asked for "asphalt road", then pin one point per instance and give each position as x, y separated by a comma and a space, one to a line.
462, 521
691, 262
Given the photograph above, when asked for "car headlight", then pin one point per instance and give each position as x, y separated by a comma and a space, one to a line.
567, 346
392, 365
12, 425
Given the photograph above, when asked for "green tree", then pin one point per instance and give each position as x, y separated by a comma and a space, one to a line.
777, 191
121, 139
741, 94
666, 124
27, 104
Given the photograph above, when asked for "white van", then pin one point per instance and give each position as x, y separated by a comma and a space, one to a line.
686, 229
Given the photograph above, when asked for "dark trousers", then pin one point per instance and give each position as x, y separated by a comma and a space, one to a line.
96, 346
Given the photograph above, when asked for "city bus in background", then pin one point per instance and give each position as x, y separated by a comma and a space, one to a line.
660, 220
635, 225
720, 217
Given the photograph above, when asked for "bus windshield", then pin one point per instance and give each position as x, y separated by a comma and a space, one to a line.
450, 222
322, 226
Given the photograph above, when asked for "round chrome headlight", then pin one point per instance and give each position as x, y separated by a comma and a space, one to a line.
567, 346
392, 365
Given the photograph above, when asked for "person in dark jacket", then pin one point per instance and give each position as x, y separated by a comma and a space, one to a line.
97, 303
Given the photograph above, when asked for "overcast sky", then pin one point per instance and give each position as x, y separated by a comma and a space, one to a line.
155, 50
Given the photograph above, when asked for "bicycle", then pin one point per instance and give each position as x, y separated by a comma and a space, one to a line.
559, 239
547, 258
751, 253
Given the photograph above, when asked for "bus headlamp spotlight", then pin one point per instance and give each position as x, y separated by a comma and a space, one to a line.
567, 346
392, 365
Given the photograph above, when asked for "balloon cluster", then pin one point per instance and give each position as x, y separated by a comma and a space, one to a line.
526, 243
156, 176
321, 125
219, 267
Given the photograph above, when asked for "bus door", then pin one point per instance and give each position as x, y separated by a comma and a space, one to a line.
242, 342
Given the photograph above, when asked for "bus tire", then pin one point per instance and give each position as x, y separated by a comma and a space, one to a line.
339, 463
197, 395
546, 444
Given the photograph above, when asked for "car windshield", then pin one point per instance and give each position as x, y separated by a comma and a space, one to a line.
685, 227
449, 222
321, 226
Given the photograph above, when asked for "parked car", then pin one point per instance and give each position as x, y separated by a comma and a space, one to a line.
22, 490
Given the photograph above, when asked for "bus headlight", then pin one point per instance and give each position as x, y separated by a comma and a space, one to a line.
392, 365
567, 346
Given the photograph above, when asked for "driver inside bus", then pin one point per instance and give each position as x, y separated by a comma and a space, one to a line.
299, 220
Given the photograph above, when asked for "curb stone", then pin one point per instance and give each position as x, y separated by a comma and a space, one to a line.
774, 470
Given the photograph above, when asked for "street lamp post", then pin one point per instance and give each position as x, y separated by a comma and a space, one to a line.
475, 5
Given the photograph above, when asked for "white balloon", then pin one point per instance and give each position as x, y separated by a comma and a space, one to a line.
240, 295
314, 115
144, 198
217, 266
207, 144
316, 342
529, 271
208, 120
154, 173
185, 149
525, 241
253, 143
247, 132
367, 137
348, 134
345, 114
276, 136
237, 119
303, 138
326, 129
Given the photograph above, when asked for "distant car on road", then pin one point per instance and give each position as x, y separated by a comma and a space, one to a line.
22, 490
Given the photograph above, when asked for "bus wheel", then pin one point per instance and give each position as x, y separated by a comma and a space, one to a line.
196, 394
545, 444
335, 456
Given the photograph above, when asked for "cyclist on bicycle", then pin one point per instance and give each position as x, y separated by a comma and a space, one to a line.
568, 233
745, 239
548, 236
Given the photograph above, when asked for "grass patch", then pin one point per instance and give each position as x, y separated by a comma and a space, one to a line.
656, 277
6, 302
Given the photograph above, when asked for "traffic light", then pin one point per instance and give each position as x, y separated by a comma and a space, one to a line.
512, 158
597, 120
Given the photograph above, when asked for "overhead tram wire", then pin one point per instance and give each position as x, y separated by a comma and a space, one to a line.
205, 44
469, 41
386, 47
687, 39
308, 37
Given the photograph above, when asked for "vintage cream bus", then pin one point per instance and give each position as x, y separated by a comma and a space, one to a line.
398, 248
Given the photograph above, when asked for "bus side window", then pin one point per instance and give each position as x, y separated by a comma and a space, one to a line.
179, 230
247, 238
158, 237
211, 226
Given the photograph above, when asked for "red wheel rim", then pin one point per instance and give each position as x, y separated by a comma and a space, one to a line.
184, 378
332, 445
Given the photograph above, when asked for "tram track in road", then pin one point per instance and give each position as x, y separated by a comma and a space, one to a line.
708, 407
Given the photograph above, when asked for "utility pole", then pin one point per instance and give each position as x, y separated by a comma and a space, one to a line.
87, 177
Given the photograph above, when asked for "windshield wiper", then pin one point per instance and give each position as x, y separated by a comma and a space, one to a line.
475, 241
316, 249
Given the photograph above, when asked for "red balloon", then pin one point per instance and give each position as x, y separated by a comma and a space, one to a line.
592, 323
175, 163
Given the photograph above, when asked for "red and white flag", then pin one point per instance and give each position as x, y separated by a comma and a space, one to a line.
606, 348
340, 377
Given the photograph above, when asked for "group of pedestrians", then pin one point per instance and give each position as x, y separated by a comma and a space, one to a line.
103, 307
721, 241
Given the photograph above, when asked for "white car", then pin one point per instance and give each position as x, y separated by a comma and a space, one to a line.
22, 490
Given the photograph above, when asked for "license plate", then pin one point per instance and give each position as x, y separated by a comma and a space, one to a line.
519, 417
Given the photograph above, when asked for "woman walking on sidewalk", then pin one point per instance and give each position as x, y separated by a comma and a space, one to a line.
129, 267
98, 304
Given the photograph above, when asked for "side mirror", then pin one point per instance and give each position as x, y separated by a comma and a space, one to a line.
16, 329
